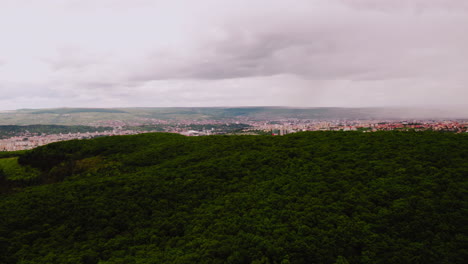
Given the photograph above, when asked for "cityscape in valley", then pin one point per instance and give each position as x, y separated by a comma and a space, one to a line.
67, 124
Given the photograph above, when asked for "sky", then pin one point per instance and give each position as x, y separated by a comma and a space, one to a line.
305, 53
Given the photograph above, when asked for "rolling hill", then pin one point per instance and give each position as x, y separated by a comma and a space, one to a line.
86, 116
316, 197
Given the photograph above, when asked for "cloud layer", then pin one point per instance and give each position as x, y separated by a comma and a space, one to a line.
105, 53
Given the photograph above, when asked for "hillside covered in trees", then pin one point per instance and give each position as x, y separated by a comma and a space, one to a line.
318, 197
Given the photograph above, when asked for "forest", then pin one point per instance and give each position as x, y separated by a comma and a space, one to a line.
310, 197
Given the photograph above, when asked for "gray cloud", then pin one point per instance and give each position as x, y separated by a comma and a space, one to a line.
351, 45
310, 53
418, 6
72, 58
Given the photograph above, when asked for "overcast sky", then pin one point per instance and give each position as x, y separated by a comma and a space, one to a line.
120, 53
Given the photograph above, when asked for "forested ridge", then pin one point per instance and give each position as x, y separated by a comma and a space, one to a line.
315, 197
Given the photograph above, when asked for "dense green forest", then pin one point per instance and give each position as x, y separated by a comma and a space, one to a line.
316, 197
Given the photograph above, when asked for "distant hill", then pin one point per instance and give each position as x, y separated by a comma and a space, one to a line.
80, 116
316, 197
76, 110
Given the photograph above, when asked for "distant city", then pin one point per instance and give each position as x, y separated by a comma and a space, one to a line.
24, 139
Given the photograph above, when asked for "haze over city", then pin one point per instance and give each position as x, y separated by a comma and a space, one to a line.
303, 53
